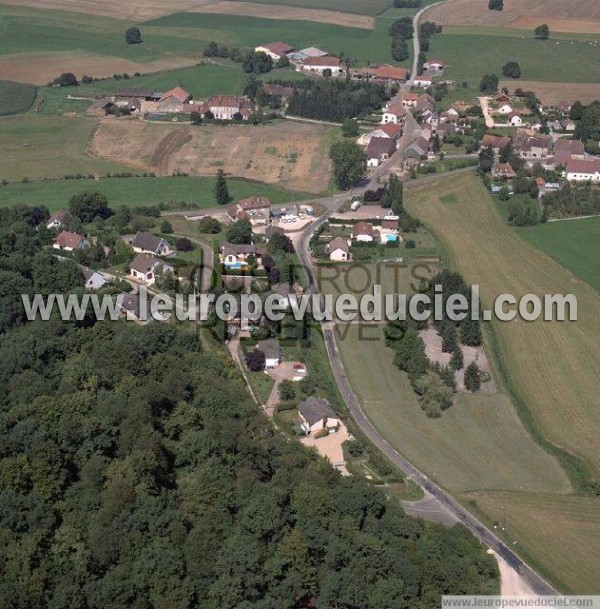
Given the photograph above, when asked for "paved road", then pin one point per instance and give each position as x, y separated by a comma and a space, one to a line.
446, 502
416, 45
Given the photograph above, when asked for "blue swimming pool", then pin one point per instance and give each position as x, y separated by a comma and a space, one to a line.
236, 265
389, 238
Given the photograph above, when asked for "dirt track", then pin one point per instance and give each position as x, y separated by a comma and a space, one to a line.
573, 16
287, 13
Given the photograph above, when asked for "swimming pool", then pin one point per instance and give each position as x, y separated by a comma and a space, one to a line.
389, 238
236, 265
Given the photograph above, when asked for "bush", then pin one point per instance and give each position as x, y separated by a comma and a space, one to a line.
287, 390
410, 245
255, 360
133, 35
184, 245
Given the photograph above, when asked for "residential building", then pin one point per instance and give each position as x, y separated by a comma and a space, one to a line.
94, 280
497, 142
275, 50
564, 107
316, 414
70, 242
384, 74
425, 102
173, 101
503, 171
433, 66
568, 149
363, 232
129, 305
338, 250
394, 113
502, 99
145, 268
504, 109
56, 220
234, 256
388, 130
321, 64
583, 170
227, 107
145, 243
515, 119
423, 81
272, 352
380, 149
253, 204
408, 99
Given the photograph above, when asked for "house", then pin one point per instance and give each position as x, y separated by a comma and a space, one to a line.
338, 250
272, 352
316, 414
253, 204
504, 109
56, 220
515, 119
145, 243
321, 64
586, 170
389, 130
394, 114
364, 232
446, 129
423, 81
502, 99
568, 125
450, 115
416, 151
503, 171
497, 142
146, 268
101, 106
425, 102
234, 256
408, 99
568, 149
173, 100
227, 107
532, 148
380, 149
129, 305
431, 118
275, 50
433, 66
564, 107
94, 280
384, 74
70, 242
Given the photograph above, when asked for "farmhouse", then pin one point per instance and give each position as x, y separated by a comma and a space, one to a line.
380, 149
389, 130
502, 99
227, 107
94, 280
146, 268
316, 414
364, 232
587, 170
57, 219
321, 64
70, 242
173, 101
531, 148
275, 50
383, 74
272, 352
338, 249
145, 243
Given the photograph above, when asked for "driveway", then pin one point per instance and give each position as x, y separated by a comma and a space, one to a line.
330, 447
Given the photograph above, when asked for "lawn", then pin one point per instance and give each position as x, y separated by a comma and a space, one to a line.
360, 7
472, 52
197, 192
48, 147
560, 536
15, 97
573, 243
551, 368
479, 443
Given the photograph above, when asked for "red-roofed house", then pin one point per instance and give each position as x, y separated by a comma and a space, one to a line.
70, 242
422, 81
583, 170
568, 149
173, 101
227, 107
275, 50
320, 64
363, 231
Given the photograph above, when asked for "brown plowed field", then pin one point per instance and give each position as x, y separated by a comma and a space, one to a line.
574, 16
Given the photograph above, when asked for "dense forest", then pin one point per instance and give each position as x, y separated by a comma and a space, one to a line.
135, 472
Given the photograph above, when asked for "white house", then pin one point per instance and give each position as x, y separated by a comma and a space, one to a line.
587, 170
316, 414
515, 119
434, 66
423, 81
321, 64
145, 243
272, 352
145, 268
56, 220
505, 109
338, 250
227, 107
70, 242
394, 114
94, 280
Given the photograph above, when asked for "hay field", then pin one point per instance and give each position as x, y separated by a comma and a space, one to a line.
552, 93
291, 155
560, 535
479, 443
575, 16
552, 367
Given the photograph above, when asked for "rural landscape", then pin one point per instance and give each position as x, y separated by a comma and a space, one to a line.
279, 152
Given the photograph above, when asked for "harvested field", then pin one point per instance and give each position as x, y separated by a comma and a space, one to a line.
39, 69
575, 16
136, 10
293, 13
360, 7
292, 156
554, 92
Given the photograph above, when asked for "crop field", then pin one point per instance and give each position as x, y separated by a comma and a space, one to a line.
572, 243
551, 367
360, 7
575, 16
551, 93
479, 443
560, 535
49, 147
15, 97
472, 52
131, 192
291, 155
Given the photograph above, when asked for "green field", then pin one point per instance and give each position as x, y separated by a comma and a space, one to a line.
197, 192
48, 147
559, 536
15, 97
479, 443
360, 7
472, 52
573, 243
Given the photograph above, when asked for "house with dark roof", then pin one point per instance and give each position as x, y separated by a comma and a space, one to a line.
146, 268
237, 256
316, 414
275, 50
338, 249
145, 243
69, 242
380, 149
568, 149
272, 351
